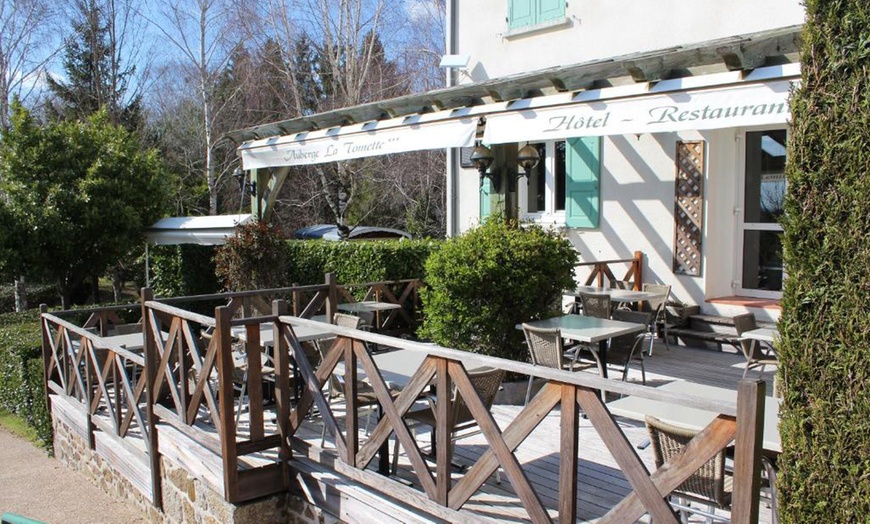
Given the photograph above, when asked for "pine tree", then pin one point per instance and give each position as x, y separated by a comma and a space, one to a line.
96, 78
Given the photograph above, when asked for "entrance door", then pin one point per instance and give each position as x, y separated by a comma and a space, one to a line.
759, 226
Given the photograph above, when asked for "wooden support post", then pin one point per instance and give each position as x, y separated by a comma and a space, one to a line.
443, 433
568, 455
226, 402
637, 264
254, 381
297, 299
151, 389
282, 390
88, 393
331, 297
747, 451
351, 417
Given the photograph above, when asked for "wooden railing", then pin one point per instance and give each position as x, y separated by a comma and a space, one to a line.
601, 272
190, 374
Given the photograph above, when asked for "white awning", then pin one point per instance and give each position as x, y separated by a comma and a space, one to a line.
205, 230
399, 135
748, 104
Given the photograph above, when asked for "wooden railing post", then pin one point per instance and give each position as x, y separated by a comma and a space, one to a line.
332, 297
151, 360
443, 432
568, 445
747, 451
46, 356
282, 389
297, 299
227, 402
637, 269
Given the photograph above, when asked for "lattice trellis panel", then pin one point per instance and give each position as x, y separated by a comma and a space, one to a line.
689, 208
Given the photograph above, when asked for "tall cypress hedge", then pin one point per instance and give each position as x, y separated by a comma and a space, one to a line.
825, 323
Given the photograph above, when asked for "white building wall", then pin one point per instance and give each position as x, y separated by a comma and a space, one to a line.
596, 29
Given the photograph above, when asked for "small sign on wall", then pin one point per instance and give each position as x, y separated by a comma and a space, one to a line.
689, 208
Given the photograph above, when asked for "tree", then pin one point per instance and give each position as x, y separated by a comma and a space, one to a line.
25, 49
96, 76
80, 194
825, 464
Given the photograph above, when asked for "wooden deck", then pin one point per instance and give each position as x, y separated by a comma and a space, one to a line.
601, 483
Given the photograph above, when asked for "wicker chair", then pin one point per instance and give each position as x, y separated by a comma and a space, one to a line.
757, 355
595, 304
656, 305
486, 382
546, 349
709, 485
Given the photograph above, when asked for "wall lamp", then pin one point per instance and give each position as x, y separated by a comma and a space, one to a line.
244, 187
482, 158
527, 157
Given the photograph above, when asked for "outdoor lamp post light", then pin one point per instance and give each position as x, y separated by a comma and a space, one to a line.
244, 187
482, 158
528, 158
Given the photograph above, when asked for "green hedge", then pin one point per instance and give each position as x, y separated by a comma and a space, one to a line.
356, 261
183, 270
21, 376
36, 294
825, 322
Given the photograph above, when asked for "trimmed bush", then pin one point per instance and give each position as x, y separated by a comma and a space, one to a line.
356, 261
21, 376
483, 283
36, 294
825, 322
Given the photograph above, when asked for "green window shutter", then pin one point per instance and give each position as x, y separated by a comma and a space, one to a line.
550, 10
485, 203
582, 186
521, 13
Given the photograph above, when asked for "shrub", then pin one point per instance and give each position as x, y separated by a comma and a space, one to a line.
36, 294
21, 377
825, 417
356, 261
483, 283
253, 258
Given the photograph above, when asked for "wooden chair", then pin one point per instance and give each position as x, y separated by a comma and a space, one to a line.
486, 382
596, 305
710, 485
656, 306
546, 349
757, 355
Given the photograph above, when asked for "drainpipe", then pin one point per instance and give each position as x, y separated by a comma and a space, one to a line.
450, 80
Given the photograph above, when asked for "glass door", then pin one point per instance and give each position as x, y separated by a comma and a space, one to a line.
762, 271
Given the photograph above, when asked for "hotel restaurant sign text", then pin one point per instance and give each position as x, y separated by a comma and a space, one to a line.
743, 105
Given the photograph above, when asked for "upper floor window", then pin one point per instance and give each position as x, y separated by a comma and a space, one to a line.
527, 13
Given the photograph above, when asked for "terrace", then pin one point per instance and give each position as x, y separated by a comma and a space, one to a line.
160, 412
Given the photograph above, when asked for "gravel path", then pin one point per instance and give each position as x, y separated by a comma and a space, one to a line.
37, 486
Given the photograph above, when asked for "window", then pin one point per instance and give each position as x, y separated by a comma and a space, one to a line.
759, 226
563, 187
527, 13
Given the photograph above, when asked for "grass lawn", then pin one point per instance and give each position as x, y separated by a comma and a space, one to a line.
17, 426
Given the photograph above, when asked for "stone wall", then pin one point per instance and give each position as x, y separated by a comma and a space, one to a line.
185, 499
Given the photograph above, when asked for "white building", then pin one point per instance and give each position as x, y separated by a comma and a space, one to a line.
621, 100
641, 91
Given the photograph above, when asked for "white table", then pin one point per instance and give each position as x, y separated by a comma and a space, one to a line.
637, 408
589, 329
134, 342
305, 333
367, 309
616, 294
768, 335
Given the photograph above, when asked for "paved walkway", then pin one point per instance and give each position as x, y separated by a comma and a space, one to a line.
37, 486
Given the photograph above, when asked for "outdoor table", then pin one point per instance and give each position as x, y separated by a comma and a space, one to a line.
589, 330
134, 342
637, 408
616, 294
305, 333
367, 309
769, 335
